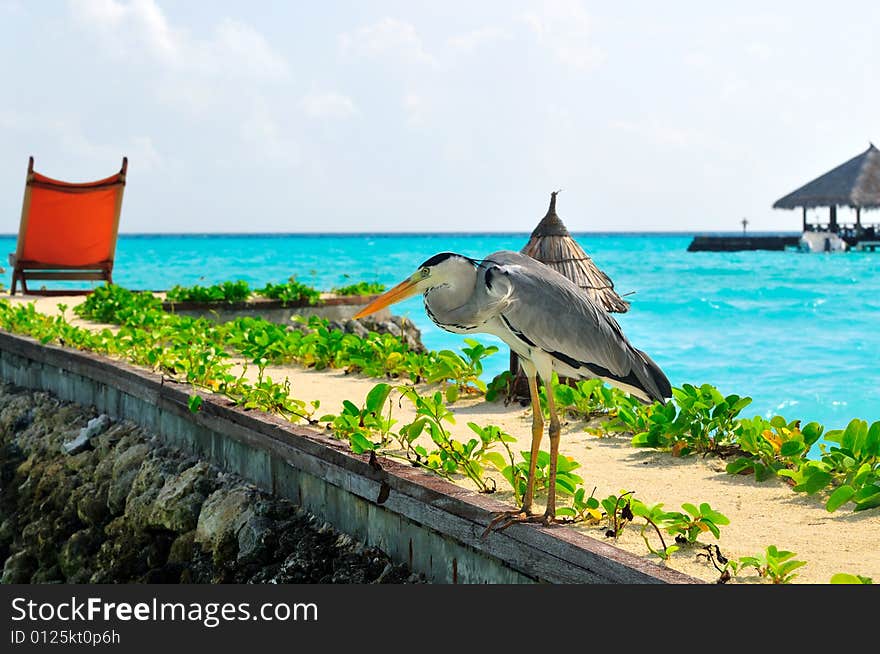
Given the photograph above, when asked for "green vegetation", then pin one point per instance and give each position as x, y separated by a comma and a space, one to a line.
698, 420
291, 291
776, 565
144, 326
238, 291
361, 288
844, 578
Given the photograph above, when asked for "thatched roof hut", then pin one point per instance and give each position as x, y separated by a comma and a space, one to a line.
552, 244
854, 184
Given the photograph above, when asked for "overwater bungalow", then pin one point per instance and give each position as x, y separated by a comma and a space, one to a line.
854, 184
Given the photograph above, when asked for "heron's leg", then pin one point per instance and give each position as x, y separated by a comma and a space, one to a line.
537, 435
550, 513
503, 520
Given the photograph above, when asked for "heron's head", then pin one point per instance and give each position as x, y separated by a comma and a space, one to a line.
440, 269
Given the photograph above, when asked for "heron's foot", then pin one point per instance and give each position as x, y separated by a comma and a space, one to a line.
506, 518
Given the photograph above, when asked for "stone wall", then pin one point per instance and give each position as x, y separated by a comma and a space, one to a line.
84, 499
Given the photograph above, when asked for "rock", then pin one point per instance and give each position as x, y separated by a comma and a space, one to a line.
223, 515
399, 327
123, 472
129, 508
91, 505
409, 333
7, 532
94, 427
355, 327
23, 421
256, 539
182, 548
75, 557
51, 575
148, 482
78, 444
106, 442
177, 506
19, 568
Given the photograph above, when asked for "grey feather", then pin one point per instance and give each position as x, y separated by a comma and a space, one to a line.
536, 310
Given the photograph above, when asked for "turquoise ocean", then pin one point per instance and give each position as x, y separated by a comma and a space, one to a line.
798, 333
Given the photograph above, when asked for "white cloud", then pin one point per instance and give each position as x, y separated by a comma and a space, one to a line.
565, 28
328, 105
760, 51
140, 29
387, 37
664, 135
12, 8
240, 48
266, 139
470, 41
69, 141
697, 59
415, 108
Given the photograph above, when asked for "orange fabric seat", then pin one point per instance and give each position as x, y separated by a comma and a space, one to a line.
68, 231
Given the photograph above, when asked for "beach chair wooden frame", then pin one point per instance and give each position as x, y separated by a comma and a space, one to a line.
68, 231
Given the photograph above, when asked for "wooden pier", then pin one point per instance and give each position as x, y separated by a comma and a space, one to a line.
738, 243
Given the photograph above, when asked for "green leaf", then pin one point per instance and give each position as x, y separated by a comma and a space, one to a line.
791, 448
853, 433
762, 472
690, 508
350, 408
739, 466
361, 444
565, 485
194, 403
839, 497
811, 432
714, 529
496, 459
375, 401
715, 516
872, 442
868, 502
817, 481
844, 578
565, 464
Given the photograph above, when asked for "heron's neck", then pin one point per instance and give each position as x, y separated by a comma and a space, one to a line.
452, 290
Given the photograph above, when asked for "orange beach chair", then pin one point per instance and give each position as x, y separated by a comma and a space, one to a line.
67, 231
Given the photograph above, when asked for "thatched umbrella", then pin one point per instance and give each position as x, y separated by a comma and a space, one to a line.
552, 244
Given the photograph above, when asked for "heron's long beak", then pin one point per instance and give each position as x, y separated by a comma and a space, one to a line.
400, 292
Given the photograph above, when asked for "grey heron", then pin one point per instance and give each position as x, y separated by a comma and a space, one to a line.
545, 318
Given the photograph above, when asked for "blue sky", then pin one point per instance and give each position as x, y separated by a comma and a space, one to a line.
426, 116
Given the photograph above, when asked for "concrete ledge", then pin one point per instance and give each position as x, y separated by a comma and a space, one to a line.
415, 517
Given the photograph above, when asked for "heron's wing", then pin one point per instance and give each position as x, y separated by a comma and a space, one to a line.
550, 311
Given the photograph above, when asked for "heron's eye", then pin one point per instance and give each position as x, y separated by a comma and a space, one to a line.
425, 273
